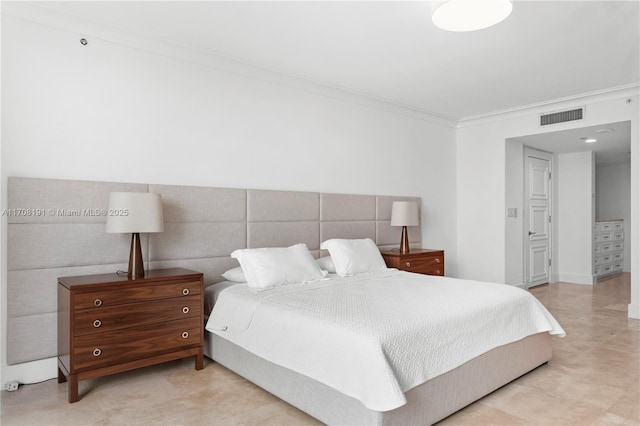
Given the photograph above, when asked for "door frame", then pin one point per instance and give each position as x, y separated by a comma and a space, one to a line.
525, 222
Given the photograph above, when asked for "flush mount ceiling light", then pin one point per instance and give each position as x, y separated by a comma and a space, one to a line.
604, 130
469, 15
589, 140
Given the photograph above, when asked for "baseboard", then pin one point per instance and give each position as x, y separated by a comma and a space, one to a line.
520, 285
577, 278
30, 372
633, 311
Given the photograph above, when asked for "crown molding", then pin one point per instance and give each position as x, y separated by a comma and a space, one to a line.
44, 13
568, 102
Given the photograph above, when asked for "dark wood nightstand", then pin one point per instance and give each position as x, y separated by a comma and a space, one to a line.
108, 323
420, 261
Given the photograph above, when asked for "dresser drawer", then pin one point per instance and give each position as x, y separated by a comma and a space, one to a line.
118, 346
132, 294
606, 226
617, 256
606, 269
104, 319
603, 237
602, 259
606, 247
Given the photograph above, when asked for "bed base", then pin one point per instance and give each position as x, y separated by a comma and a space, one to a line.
426, 404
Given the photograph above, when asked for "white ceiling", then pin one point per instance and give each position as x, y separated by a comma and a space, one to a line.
390, 50
612, 147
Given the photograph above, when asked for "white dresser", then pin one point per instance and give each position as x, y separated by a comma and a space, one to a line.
608, 247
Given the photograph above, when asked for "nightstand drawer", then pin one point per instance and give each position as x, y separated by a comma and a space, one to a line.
118, 346
100, 320
427, 269
420, 261
135, 294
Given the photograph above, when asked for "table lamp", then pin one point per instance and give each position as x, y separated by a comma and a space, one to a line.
135, 212
404, 213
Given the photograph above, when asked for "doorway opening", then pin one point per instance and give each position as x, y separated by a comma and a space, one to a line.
590, 182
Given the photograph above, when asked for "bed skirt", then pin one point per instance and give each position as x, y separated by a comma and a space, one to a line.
426, 404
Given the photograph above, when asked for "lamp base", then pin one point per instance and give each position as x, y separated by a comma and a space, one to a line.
404, 241
136, 266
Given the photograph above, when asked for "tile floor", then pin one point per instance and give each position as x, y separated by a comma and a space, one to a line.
593, 379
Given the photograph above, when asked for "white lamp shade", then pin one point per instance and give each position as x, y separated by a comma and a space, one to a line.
404, 213
131, 212
469, 15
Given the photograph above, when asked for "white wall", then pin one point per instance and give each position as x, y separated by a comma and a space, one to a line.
514, 226
576, 213
132, 110
482, 180
613, 198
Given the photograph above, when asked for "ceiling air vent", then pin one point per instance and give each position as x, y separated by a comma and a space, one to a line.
561, 116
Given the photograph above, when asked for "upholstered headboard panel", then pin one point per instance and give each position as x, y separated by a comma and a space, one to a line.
53, 231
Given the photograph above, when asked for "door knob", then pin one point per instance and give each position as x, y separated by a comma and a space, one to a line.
531, 233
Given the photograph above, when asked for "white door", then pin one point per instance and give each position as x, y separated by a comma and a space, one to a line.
537, 217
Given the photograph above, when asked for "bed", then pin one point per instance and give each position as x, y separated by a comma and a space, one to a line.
371, 345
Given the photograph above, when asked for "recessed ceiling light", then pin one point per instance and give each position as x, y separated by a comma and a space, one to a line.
590, 140
469, 15
604, 130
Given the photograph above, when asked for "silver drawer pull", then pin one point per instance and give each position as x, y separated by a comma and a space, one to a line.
97, 352
97, 302
408, 264
437, 260
185, 310
185, 334
185, 291
97, 323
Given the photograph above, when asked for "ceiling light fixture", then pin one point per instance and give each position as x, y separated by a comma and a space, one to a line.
604, 130
469, 15
590, 140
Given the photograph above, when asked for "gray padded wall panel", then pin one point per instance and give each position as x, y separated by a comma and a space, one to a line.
35, 246
283, 234
202, 227
343, 207
282, 206
63, 201
197, 240
189, 204
355, 230
32, 337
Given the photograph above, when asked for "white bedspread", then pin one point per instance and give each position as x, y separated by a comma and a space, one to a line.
375, 336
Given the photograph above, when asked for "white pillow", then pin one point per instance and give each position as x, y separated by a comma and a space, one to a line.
235, 274
270, 267
354, 256
326, 264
